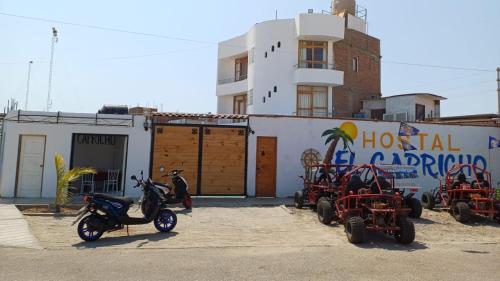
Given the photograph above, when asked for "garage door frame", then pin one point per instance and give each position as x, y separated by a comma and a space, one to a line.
201, 130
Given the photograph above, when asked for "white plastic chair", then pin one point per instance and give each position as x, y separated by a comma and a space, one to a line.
111, 184
87, 181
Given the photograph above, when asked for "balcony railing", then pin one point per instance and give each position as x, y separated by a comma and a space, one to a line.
316, 65
233, 79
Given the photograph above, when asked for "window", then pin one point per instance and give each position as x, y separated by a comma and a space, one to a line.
240, 104
265, 55
272, 48
269, 94
313, 54
355, 64
241, 69
275, 89
279, 44
263, 99
312, 101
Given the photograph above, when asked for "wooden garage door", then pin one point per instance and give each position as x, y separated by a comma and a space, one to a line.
223, 161
176, 148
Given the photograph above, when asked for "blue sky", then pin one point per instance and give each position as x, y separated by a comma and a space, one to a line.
96, 67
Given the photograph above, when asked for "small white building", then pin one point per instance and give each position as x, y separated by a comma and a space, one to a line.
117, 146
407, 107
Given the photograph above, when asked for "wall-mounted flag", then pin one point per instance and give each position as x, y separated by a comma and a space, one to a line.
407, 145
494, 143
407, 130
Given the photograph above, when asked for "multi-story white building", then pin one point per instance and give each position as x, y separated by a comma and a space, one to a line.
291, 66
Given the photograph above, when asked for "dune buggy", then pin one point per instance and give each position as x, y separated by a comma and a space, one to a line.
371, 204
320, 180
464, 196
405, 182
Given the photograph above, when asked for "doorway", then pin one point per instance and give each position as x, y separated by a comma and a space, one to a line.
265, 179
105, 153
30, 166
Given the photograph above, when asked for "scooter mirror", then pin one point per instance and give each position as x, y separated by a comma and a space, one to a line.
162, 168
134, 178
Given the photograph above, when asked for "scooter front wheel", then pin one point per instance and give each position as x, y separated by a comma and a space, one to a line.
165, 221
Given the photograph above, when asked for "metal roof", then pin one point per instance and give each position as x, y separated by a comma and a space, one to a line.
199, 115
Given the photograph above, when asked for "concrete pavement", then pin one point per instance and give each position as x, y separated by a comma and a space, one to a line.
341, 262
14, 230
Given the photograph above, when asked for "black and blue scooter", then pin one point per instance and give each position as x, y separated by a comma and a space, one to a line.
109, 213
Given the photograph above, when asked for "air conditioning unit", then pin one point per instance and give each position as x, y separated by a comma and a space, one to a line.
402, 116
388, 117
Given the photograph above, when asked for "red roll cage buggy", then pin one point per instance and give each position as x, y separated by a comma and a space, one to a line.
465, 198
372, 205
320, 180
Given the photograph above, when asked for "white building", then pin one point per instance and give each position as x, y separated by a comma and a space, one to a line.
406, 107
112, 144
258, 72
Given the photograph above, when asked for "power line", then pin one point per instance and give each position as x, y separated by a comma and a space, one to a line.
108, 29
169, 37
439, 66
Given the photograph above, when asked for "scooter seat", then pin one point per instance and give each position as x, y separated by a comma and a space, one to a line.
126, 201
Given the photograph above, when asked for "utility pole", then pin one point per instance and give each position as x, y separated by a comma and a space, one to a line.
498, 88
28, 85
54, 41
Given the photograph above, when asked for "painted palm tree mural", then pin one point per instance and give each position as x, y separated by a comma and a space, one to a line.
345, 134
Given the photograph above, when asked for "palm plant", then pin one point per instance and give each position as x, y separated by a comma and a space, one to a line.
64, 179
335, 135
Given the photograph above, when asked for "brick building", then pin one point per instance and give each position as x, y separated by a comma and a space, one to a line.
358, 55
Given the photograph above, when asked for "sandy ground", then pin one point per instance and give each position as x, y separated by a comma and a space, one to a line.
260, 227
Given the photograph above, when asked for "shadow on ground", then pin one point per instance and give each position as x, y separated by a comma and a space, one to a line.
424, 221
114, 241
377, 240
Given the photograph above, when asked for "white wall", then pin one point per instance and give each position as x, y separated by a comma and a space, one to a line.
320, 26
298, 134
369, 105
429, 105
401, 104
58, 140
356, 23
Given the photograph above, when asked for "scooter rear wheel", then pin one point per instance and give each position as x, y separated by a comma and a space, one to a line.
86, 231
165, 221
187, 202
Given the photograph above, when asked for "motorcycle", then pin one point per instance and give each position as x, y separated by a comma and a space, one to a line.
172, 195
109, 213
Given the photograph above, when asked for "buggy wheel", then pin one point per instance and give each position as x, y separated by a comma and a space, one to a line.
299, 199
428, 200
461, 212
355, 230
325, 214
87, 231
416, 208
407, 233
